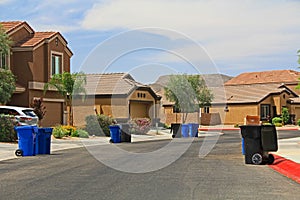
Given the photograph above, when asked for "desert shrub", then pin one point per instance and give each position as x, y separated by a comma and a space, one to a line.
38, 107
298, 122
276, 120
69, 130
94, 121
278, 124
140, 125
285, 115
267, 123
75, 133
59, 131
80, 133
7, 132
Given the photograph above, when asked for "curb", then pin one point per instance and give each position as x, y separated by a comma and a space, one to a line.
287, 168
218, 129
233, 129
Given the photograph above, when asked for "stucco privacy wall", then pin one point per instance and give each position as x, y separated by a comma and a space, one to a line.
91, 106
236, 112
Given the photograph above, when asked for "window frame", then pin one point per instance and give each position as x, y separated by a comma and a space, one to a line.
206, 109
265, 108
61, 67
6, 64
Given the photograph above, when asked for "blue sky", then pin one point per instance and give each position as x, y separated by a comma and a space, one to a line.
229, 37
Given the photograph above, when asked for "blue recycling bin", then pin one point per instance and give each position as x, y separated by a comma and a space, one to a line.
243, 146
26, 140
185, 130
43, 141
193, 129
115, 133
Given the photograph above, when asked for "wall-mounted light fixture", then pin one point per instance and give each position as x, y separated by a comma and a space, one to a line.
226, 109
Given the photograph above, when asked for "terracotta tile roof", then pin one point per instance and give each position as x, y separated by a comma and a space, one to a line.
253, 93
9, 26
35, 39
275, 76
295, 100
111, 84
211, 80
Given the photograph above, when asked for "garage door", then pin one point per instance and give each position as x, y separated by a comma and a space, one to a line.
139, 110
54, 114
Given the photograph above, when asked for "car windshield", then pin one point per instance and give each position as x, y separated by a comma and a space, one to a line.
29, 113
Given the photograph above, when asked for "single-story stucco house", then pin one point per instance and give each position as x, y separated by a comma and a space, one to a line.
117, 95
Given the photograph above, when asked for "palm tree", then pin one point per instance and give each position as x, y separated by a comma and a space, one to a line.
68, 85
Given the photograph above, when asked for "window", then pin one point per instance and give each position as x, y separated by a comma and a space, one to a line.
264, 111
206, 109
56, 64
176, 109
3, 61
141, 95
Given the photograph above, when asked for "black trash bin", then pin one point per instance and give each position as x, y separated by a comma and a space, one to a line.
125, 134
176, 130
258, 141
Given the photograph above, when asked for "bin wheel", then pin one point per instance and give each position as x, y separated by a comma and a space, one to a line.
271, 159
110, 141
173, 136
19, 152
257, 159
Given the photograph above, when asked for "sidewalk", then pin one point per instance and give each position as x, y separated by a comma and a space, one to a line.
7, 150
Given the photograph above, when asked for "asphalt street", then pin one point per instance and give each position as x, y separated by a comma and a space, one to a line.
76, 174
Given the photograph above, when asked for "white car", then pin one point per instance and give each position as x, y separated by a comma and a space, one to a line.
24, 116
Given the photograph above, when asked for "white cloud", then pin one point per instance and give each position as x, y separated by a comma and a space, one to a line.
230, 29
5, 1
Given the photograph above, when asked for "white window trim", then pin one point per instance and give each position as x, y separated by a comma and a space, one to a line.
62, 61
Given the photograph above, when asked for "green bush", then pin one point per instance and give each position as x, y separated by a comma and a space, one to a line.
75, 134
69, 129
7, 132
285, 115
80, 133
298, 122
278, 124
59, 131
267, 123
98, 125
276, 120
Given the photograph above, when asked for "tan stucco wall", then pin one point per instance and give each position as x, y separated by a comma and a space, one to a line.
296, 111
236, 113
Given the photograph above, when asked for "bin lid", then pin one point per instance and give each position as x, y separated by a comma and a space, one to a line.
46, 129
23, 127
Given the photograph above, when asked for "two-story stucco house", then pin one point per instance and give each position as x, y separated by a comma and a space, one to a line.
34, 57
